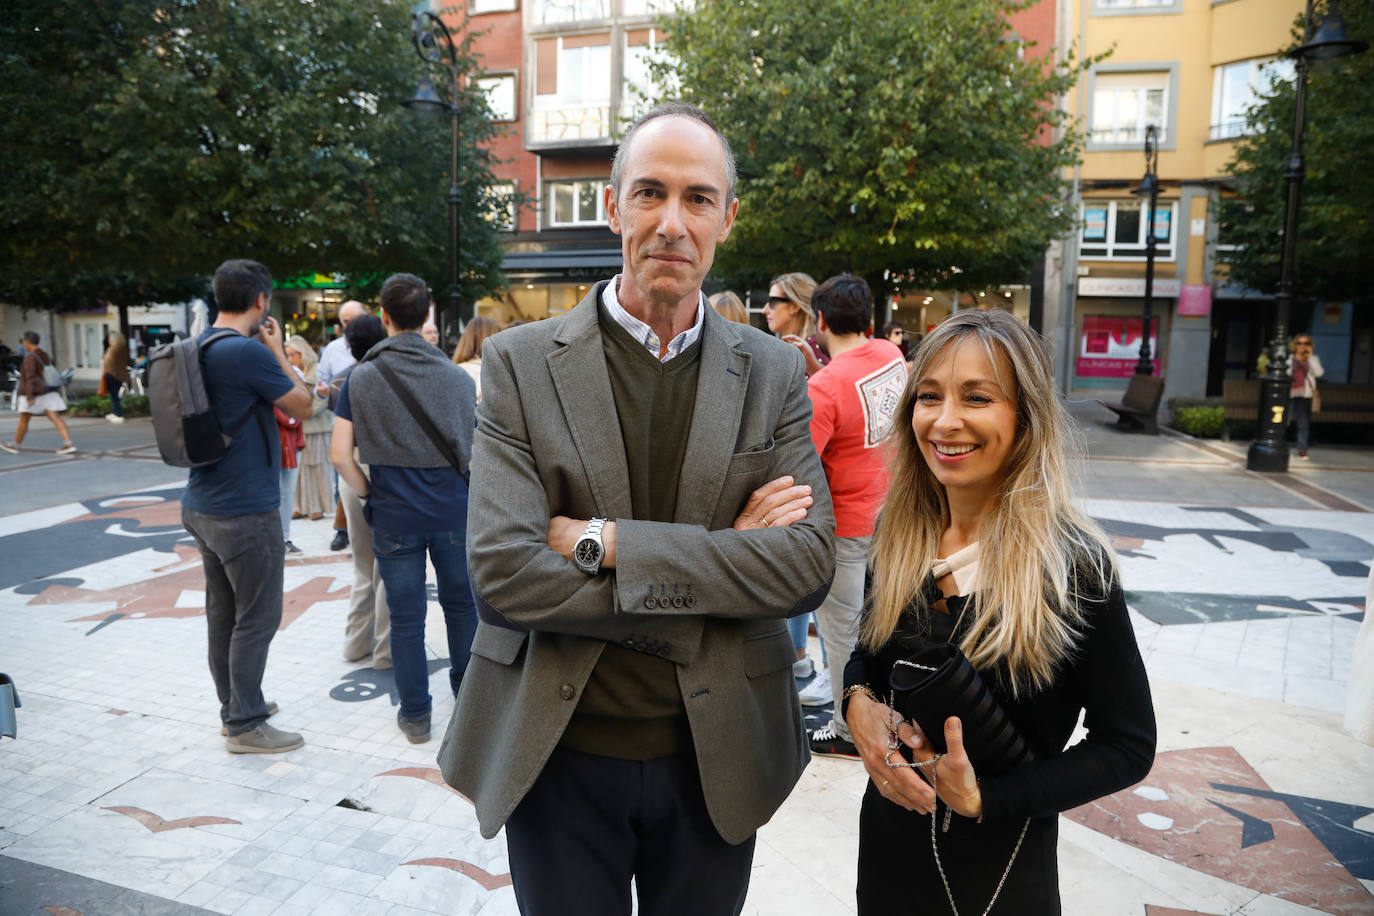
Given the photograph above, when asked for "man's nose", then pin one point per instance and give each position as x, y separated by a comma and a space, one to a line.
670, 222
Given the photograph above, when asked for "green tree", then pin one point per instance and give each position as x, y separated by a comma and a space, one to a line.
904, 141
146, 140
1336, 219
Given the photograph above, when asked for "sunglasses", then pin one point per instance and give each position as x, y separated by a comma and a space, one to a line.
779, 300
1302, 343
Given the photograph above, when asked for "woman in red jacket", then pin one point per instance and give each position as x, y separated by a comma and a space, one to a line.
36, 398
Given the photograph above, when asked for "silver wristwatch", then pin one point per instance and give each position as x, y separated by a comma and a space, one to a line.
589, 551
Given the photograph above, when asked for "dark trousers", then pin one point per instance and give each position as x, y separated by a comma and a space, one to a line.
589, 824
112, 386
243, 556
1301, 411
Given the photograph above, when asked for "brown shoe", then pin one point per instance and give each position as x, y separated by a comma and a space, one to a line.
415, 730
271, 711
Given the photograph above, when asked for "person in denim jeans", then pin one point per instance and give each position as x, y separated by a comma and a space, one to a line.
416, 492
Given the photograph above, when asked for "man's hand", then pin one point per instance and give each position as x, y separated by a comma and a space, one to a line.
269, 332
564, 533
776, 504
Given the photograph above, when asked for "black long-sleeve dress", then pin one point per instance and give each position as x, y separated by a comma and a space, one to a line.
1105, 677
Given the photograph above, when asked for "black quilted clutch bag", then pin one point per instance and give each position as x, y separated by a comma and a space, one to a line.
935, 681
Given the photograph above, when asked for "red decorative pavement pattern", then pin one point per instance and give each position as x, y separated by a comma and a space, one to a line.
1152, 910
1289, 863
156, 824
63, 911
156, 597
428, 774
480, 875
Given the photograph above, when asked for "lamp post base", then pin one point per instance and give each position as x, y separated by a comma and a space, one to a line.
1269, 451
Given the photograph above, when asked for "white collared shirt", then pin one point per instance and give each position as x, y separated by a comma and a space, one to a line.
610, 297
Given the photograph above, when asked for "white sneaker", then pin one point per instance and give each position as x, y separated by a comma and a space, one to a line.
114, 418
817, 693
803, 668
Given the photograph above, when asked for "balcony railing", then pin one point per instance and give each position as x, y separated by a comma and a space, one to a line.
574, 122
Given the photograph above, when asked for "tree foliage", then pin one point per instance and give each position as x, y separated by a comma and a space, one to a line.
890, 138
146, 140
1336, 219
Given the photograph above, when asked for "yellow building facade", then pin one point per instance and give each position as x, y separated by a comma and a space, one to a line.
1190, 68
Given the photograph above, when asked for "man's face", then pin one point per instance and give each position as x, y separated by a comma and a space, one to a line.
671, 212
349, 311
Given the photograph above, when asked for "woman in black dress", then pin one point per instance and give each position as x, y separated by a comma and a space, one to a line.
981, 545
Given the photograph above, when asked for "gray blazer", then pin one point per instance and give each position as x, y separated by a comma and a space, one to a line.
548, 443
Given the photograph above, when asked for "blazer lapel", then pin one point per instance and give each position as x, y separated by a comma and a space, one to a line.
722, 381
584, 389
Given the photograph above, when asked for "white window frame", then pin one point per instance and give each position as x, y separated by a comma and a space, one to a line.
1136, 7
1257, 70
631, 103
478, 7
576, 184
1168, 130
78, 327
539, 11
1116, 250
488, 81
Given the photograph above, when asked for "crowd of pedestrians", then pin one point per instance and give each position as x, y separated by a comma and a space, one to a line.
649, 494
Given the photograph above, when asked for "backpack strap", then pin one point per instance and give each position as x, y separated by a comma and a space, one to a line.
422, 418
253, 410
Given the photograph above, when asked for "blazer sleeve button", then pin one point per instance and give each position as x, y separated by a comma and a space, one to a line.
567, 691
629, 643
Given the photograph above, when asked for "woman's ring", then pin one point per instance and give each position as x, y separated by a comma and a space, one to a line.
885, 783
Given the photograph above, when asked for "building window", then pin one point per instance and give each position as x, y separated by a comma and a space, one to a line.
641, 47
500, 91
476, 7
1124, 103
1116, 230
1239, 86
1135, 7
551, 12
88, 342
502, 206
572, 92
576, 203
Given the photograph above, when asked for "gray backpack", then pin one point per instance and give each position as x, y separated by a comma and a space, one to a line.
188, 433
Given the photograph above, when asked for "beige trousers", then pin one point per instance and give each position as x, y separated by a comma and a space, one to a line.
368, 631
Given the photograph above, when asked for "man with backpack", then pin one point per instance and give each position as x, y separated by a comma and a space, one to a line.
410, 410
230, 505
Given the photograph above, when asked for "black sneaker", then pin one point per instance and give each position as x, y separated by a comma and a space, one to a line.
292, 548
415, 730
826, 742
340, 540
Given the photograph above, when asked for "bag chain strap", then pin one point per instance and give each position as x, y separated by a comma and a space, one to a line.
893, 745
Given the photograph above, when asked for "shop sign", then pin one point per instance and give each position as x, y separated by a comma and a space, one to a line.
1195, 300
1110, 346
1127, 287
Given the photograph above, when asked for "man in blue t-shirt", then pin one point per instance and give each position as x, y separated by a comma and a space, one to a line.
416, 499
230, 507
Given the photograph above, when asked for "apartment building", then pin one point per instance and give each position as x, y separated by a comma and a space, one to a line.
1191, 68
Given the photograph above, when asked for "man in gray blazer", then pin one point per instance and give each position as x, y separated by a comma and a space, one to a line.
646, 509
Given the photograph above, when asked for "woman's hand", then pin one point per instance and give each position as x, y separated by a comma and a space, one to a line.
813, 365
954, 776
870, 725
776, 504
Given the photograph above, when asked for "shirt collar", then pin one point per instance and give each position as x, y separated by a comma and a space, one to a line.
610, 297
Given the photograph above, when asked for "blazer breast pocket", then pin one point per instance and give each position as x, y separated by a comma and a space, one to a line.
746, 472
753, 462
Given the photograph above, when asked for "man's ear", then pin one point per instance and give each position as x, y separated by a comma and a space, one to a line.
612, 208
820, 322
730, 213
386, 319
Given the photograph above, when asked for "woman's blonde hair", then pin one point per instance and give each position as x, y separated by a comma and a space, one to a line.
729, 306
115, 339
470, 342
798, 287
309, 361
1037, 548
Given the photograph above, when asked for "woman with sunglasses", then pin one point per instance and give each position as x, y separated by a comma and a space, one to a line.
791, 317
1305, 369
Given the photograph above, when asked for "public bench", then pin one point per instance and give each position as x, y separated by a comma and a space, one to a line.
1139, 407
1340, 403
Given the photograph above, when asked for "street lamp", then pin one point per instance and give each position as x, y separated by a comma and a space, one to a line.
1149, 189
436, 47
1269, 450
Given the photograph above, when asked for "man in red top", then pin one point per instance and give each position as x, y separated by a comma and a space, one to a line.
853, 400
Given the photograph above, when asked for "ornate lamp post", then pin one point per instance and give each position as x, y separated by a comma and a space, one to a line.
437, 47
1269, 451
1149, 190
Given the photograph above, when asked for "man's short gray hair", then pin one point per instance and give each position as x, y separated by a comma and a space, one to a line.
666, 110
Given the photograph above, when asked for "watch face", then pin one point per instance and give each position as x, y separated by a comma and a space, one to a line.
587, 553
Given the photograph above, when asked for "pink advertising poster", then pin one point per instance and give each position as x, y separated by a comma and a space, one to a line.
1195, 300
1111, 347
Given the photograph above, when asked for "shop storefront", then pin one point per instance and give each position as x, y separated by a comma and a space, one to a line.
1110, 327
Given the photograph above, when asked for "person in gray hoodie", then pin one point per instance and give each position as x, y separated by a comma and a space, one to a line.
410, 411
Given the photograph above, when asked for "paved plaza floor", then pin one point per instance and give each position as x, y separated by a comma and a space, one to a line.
118, 797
